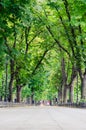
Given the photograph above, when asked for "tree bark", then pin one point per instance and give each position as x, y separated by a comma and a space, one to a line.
18, 85
65, 92
11, 80
60, 96
10, 89
18, 92
71, 94
64, 80
83, 83
6, 81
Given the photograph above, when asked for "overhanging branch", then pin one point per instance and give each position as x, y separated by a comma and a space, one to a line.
58, 43
41, 59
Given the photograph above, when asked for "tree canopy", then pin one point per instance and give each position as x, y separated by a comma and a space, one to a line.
42, 50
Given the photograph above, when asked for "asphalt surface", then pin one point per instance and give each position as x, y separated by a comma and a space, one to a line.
42, 118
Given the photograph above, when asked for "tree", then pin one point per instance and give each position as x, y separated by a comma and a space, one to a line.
29, 32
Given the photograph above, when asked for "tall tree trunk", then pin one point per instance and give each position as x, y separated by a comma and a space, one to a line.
65, 92
83, 83
6, 81
18, 83
11, 80
1, 97
64, 80
18, 92
71, 83
81, 87
10, 89
18, 87
31, 99
71, 93
60, 95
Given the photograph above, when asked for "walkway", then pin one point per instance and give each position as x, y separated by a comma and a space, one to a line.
42, 118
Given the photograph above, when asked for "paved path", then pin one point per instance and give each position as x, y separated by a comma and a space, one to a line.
42, 118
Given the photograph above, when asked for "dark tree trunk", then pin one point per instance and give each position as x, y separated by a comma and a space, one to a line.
18, 92
1, 97
10, 89
32, 96
18, 84
11, 80
60, 96
31, 100
6, 81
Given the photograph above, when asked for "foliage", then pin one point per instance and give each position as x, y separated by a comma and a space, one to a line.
35, 36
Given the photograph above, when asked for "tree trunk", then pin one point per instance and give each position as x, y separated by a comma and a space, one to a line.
64, 80
18, 92
11, 80
71, 94
83, 83
1, 97
31, 100
60, 96
6, 86
65, 90
10, 89
71, 83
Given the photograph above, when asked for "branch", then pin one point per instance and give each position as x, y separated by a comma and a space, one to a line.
67, 34
29, 42
73, 75
80, 31
69, 18
40, 61
27, 30
35, 36
64, 76
58, 43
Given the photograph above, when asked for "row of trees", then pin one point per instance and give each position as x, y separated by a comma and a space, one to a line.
42, 50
